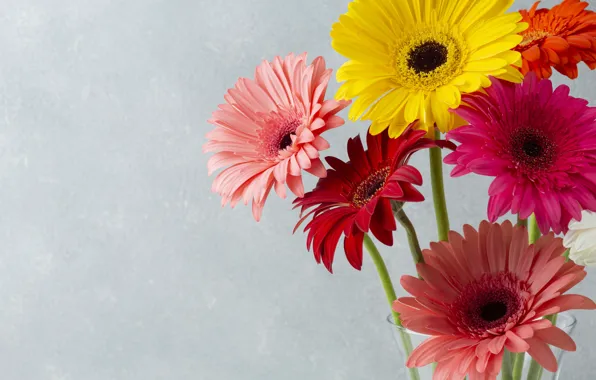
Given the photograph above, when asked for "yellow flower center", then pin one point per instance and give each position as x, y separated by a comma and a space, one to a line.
429, 57
531, 36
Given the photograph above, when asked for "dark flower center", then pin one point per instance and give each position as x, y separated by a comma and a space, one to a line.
368, 188
493, 311
285, 141
427, 57
488, 305
532, 149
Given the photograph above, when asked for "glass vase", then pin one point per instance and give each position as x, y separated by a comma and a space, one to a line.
404, 337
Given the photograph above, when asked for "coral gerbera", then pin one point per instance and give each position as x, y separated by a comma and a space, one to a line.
485, 292
559, 37
269, 130
412, 59
539, 144
355, 197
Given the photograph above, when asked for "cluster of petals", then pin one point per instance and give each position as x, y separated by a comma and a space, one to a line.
269, 131
487, 291
355, 197
538, 143
560, 37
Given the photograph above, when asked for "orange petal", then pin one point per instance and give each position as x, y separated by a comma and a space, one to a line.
556, 43
579, 41
532, 54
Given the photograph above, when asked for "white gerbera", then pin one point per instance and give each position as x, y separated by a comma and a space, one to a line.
581, 239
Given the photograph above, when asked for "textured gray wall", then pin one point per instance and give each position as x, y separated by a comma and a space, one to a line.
117, 262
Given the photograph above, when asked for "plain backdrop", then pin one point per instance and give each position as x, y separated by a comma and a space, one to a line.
117, 261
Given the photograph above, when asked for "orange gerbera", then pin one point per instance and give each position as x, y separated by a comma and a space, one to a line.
560, 37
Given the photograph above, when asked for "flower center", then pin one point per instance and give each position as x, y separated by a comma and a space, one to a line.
368, 188
487, 306
427, 57
532, 149
285, 141
493, 311
276, 134
531, 37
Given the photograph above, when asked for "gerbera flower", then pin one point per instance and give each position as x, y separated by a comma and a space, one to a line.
539, 144
412, 59
560, 37
581, 239
269, 130
486, 292
355, 197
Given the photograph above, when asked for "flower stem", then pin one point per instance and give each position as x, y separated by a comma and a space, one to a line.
507, 366
406, 223
518, 365
436, 175
522, 222
533, 230
390, 293
535, 370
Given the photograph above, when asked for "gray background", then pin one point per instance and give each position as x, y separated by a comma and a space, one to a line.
116, 260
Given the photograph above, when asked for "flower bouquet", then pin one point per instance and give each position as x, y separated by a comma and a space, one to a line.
466, 80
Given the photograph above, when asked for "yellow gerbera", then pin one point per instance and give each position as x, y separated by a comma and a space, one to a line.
412, 59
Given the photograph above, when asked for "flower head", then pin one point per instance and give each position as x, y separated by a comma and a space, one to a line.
559, 37
269, 130
356, 196
539, 144
581, 239
485, 292
412, 59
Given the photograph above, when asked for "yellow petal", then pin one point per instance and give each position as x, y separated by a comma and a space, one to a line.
397, 128
512, 57
450, 95
489, 32
468, 82
413, 107
425, 112
488, 64
512, 75
377, 127
368, 97
357, 70
440, 113
478, 11
504, 44
388, 105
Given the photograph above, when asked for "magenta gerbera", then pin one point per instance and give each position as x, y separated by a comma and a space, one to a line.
539, 144
356, 196
269, 131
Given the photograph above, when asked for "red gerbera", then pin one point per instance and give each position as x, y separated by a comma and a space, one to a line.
355, 197
560, 37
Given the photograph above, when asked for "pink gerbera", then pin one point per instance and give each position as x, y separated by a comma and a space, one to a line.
269, 130
539, 144
486, 292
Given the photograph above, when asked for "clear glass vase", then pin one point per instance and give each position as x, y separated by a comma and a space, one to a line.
406, 340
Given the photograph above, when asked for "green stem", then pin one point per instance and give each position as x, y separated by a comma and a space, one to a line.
518, 365
436, 175
383, 274
535, 370
406, 223
522, 222
507, 366
533, 231
390, 293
